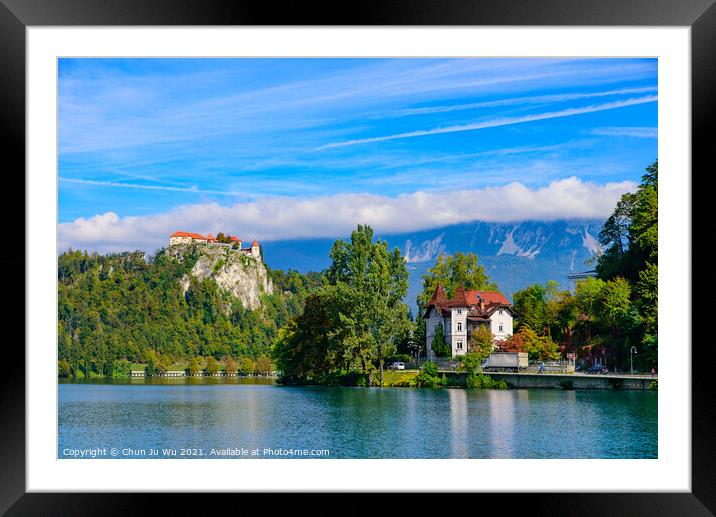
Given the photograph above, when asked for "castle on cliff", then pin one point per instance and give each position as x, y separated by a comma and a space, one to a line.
229, 241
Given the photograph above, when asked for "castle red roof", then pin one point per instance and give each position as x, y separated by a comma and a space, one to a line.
255, 243
188, 234
234, 238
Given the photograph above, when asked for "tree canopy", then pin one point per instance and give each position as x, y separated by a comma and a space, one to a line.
453, 271
355, 320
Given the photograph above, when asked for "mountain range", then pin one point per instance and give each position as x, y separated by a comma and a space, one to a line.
515, 255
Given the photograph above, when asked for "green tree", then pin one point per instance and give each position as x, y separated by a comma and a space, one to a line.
481, 342
212, 366
470, 364
246, 366
646, 299
372, 282
452, 271
439, 345
194, 366
530, 305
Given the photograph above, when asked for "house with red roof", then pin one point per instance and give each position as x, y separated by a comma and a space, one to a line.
463, 314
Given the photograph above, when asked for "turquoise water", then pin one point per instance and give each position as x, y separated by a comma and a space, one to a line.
243, 418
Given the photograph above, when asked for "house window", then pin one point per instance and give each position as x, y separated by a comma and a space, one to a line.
500, 327
435, 328
459, 327
499, 312
459, 311
459, 345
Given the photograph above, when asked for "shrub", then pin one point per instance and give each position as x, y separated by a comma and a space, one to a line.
485, 381
121, 369
443, 381
428, 376
654, 385
430, 368
473, 381
194, 367
499, 385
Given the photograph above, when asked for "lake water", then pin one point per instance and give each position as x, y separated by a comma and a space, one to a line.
255, 418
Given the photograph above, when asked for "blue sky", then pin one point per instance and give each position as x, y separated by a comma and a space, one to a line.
295, 148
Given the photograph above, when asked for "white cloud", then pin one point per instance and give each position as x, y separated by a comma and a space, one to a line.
513, 101
505, 121
115, 184
635, 132
276, 218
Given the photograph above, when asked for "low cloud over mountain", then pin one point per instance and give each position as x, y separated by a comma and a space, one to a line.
284, 218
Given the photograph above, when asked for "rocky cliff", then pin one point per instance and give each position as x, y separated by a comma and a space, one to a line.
244, 277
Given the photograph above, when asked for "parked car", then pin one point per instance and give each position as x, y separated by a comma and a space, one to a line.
597, 369
397, 366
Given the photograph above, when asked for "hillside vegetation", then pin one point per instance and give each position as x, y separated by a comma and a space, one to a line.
119, 309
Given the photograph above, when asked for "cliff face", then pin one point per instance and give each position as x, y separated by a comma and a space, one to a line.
245, 278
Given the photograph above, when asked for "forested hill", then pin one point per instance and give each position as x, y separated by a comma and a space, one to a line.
119, 309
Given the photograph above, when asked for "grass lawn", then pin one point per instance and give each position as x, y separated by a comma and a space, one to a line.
392, 377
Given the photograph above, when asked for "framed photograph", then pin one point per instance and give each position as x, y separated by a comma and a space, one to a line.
419, 253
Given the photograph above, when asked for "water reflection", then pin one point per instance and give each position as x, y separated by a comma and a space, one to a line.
502, 419
359, 422
458, 424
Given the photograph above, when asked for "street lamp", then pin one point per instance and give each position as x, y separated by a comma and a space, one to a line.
632, 351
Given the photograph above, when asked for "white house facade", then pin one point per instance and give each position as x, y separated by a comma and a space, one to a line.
463, 314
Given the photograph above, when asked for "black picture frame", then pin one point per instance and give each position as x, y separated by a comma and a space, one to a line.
700, 15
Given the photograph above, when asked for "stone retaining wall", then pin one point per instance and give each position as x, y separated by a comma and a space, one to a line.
550, 381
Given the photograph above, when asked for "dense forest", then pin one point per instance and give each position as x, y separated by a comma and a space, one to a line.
119, 309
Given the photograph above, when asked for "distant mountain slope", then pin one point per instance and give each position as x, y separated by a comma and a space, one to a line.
514, 254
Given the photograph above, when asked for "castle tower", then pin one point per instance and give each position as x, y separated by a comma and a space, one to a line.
256, 250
